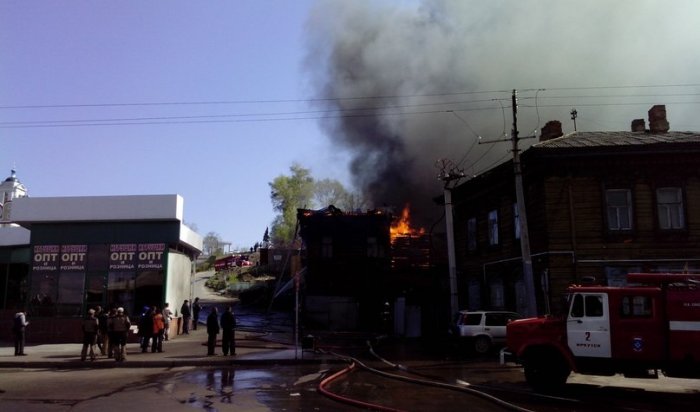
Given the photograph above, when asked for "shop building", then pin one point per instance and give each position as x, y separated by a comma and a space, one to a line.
60, 256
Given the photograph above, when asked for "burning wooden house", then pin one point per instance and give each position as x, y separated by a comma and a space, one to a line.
359, 266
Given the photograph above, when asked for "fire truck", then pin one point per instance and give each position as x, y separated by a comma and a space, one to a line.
650, 326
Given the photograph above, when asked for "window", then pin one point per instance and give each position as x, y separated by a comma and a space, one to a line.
493, 227
669, 201
516, 220
471, 234
636, 306
500, 319
120, 290
70, 293
577, 307
327, 247
372, 247
594, 306
590, 305
619, 208
471, 319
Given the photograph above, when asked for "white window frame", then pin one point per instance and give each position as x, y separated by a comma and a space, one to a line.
493, 227
669, 205
617, 213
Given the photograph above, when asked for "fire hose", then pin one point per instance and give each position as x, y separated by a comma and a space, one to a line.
355, 362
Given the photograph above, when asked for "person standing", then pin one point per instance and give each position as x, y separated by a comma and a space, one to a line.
146, 329
119, 325
158, 330
19, 328
228, 332
102, 335
110, 333
90, 328
186, 316
167, 317
196, 308
212, 330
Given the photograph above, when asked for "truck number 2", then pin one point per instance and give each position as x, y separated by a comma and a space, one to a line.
588, 336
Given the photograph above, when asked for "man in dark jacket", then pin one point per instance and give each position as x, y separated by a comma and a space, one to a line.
119, 327
90, 328
228, 332
212, 330
18, 327
186, 316
146, 329
196, 308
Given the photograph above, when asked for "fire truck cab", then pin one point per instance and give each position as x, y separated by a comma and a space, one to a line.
649, 326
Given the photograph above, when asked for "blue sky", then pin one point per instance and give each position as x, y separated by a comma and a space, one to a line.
194, 98
87, 52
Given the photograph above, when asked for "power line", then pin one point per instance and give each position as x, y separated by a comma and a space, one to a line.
329, 99
224, 102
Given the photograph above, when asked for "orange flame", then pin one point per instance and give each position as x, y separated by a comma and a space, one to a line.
402, 226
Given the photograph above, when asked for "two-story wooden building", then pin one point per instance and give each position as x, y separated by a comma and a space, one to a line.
599, 205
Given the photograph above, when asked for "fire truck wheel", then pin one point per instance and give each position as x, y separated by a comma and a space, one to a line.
482, 345
546, 371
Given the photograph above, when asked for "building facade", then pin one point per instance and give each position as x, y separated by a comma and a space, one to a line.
599, 205
80, 252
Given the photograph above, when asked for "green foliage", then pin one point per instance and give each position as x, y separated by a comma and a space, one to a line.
300, 191
289, 193
216, 282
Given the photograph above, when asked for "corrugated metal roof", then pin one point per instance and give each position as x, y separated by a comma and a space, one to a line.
613, 139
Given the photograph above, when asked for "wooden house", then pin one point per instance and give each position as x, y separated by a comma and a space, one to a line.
598, 204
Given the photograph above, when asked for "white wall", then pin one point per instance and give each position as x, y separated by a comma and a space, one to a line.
96, 208
179, 280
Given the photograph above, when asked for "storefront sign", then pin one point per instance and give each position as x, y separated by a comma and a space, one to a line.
151, 256
122, 256
73, 258
46, 258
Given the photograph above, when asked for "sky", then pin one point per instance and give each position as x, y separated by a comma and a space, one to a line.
213, 100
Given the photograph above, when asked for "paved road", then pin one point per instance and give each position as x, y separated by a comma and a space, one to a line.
267, 376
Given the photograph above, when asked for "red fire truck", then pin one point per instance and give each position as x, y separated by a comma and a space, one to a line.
651, 325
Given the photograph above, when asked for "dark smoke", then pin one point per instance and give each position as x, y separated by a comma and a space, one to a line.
396, 77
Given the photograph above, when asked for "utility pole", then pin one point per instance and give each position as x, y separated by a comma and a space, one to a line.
574, 115
528, 277
447, 176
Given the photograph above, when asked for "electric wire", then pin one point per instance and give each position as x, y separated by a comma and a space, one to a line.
311, 100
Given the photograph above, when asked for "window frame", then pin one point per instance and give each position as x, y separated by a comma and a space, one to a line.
471, 234
629, 207
679, 205
493, 228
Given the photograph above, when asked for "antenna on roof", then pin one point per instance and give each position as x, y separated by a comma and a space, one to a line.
574, 115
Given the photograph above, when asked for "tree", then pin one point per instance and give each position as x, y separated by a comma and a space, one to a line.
212, 243
330, 192
289, 193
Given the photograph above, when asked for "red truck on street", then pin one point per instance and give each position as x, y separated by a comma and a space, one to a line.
651, 325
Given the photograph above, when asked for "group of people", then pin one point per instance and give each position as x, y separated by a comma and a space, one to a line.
226, 326
108, 330
154, 327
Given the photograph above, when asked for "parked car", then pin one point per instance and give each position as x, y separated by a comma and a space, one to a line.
483, 329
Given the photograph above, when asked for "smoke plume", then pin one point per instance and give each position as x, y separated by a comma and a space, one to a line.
407, 83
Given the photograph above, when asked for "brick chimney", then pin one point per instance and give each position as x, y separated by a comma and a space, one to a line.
657, 119
551, 130
638, 125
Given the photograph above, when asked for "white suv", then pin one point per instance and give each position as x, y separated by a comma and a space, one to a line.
483, 328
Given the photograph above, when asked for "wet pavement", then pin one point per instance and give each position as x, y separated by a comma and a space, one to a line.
270, 373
